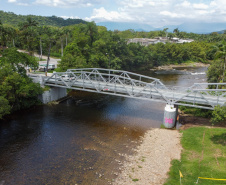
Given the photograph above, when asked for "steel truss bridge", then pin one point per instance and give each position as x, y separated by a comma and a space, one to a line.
128, 84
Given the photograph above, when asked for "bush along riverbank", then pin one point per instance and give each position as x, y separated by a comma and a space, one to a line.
203, 155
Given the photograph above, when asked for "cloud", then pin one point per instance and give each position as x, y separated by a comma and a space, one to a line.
103, 15
200, 6
163, 12
12, 1
19, 2
185, 4
153, 12
59, 3
68, 3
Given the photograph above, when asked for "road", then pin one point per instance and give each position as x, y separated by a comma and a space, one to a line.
52, 60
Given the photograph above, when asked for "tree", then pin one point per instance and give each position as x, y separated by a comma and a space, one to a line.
4, 107
219, 114
221, 54
92, 31
17, 91
16, 61
165, 31
29, 34
176, 31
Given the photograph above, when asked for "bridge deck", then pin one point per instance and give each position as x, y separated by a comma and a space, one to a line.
121, 83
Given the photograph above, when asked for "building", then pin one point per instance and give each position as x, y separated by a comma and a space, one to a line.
147, 41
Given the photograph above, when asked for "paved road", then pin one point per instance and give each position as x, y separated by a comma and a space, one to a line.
52, 60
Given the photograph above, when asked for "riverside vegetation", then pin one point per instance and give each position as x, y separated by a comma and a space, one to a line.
83, 44
203, 155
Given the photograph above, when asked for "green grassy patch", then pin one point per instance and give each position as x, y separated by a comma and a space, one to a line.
134, 180
203, 155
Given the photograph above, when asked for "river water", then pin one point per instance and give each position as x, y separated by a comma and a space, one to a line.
83, 140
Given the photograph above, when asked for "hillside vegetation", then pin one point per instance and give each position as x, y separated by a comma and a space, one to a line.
12, 19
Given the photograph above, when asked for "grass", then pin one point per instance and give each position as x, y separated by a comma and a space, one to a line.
134, 180
38, 59
203, 155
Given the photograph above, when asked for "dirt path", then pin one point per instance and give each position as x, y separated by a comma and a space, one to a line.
152, 160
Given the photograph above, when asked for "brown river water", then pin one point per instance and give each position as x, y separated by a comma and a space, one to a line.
83, 140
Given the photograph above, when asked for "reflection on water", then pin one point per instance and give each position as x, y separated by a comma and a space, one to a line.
80, 141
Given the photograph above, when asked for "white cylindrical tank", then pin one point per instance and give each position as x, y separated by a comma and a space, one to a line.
170, 115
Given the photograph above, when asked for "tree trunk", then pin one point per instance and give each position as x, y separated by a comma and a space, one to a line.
62, 47
66, 40
224, 69
48, 59
40, 58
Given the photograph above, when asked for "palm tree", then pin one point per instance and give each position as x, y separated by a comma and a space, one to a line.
176, 31
29, 33
221, 54
165, 31
30, 23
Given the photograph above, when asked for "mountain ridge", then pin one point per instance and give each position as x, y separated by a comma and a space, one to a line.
198, 27
14, 19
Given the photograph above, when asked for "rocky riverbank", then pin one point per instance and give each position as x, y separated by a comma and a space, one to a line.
151, 161
173, 66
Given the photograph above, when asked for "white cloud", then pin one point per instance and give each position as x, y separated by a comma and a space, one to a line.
186, 4
154, 12
103, 15
201, 6
161, 12
171, 14
58, 3
20, 2
12, 1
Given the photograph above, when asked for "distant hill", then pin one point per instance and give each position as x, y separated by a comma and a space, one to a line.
199, 27
122, 26
13, 19
221, 32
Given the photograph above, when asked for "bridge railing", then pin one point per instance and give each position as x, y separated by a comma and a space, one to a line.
108, 75
128, 84
199, 95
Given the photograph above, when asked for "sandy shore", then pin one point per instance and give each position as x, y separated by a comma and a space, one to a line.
151, 161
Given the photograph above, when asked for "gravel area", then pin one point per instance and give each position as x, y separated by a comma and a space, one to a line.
151, 161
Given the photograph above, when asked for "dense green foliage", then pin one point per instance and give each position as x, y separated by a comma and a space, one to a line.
12, 19
216, 74
93, 46
219, 114
202, 156
88, 45
17, 91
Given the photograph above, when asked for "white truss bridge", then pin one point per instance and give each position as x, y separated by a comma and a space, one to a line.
127, 84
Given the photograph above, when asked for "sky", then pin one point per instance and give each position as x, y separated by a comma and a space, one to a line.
157, 13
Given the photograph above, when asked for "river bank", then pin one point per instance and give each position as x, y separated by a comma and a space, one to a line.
151, 161
182, 65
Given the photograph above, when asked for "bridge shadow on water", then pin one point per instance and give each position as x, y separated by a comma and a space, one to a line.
80, 141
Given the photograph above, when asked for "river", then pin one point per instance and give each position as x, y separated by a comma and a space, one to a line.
83, 140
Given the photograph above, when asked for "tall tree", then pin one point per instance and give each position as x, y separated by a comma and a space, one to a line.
176, 31
92, 31
28, 30
221, 54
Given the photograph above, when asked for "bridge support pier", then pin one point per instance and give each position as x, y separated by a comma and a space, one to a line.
170, 116
55, 93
